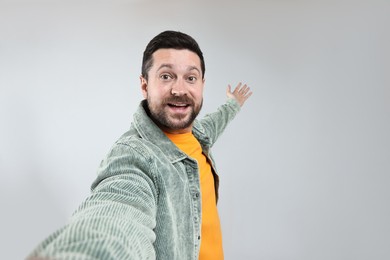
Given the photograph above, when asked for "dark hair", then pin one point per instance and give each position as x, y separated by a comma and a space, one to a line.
170, 40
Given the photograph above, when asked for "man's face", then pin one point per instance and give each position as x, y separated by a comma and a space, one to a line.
174, 89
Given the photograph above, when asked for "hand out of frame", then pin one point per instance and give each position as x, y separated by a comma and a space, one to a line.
240, 93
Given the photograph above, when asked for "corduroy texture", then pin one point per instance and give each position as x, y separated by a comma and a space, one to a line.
145, 202
211, 243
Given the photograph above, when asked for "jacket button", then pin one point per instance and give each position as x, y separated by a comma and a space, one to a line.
197, 194
198, 237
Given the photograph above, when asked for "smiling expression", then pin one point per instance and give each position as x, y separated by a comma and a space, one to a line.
174, 89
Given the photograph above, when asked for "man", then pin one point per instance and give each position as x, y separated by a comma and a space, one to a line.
156, 191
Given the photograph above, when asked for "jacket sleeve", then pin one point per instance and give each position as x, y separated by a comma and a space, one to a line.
215, 123
116, 221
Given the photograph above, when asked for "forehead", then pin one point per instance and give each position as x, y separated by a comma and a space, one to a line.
176, 58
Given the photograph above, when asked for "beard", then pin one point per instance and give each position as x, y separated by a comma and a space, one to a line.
164, 119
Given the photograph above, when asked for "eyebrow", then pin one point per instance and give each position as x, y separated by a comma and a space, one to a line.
170, 66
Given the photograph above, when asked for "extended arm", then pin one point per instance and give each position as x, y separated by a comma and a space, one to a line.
216, 122
116, 221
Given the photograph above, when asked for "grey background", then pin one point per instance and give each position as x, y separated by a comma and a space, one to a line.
304, 167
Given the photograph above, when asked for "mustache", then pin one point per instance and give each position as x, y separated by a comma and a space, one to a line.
179, 99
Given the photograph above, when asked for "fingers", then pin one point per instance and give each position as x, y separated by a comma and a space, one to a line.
237, 88
241, 93
229, 89
243, 90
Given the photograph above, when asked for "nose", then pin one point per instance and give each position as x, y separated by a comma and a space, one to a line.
179, 88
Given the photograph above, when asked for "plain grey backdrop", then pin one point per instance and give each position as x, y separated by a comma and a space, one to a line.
305, 167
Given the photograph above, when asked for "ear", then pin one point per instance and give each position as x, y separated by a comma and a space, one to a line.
144, 86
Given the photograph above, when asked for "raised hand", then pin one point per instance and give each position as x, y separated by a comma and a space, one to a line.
240, 93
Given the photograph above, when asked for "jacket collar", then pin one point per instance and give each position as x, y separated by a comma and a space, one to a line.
149, 131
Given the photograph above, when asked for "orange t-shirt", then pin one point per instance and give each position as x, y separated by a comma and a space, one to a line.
211, 236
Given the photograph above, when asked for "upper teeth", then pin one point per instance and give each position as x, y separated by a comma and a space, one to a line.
180, 105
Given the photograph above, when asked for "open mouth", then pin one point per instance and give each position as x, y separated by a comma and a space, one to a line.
178, 105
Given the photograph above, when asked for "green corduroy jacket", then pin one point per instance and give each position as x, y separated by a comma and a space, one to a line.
146, 201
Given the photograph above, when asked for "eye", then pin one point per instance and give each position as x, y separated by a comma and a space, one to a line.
166, 77
192, 79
